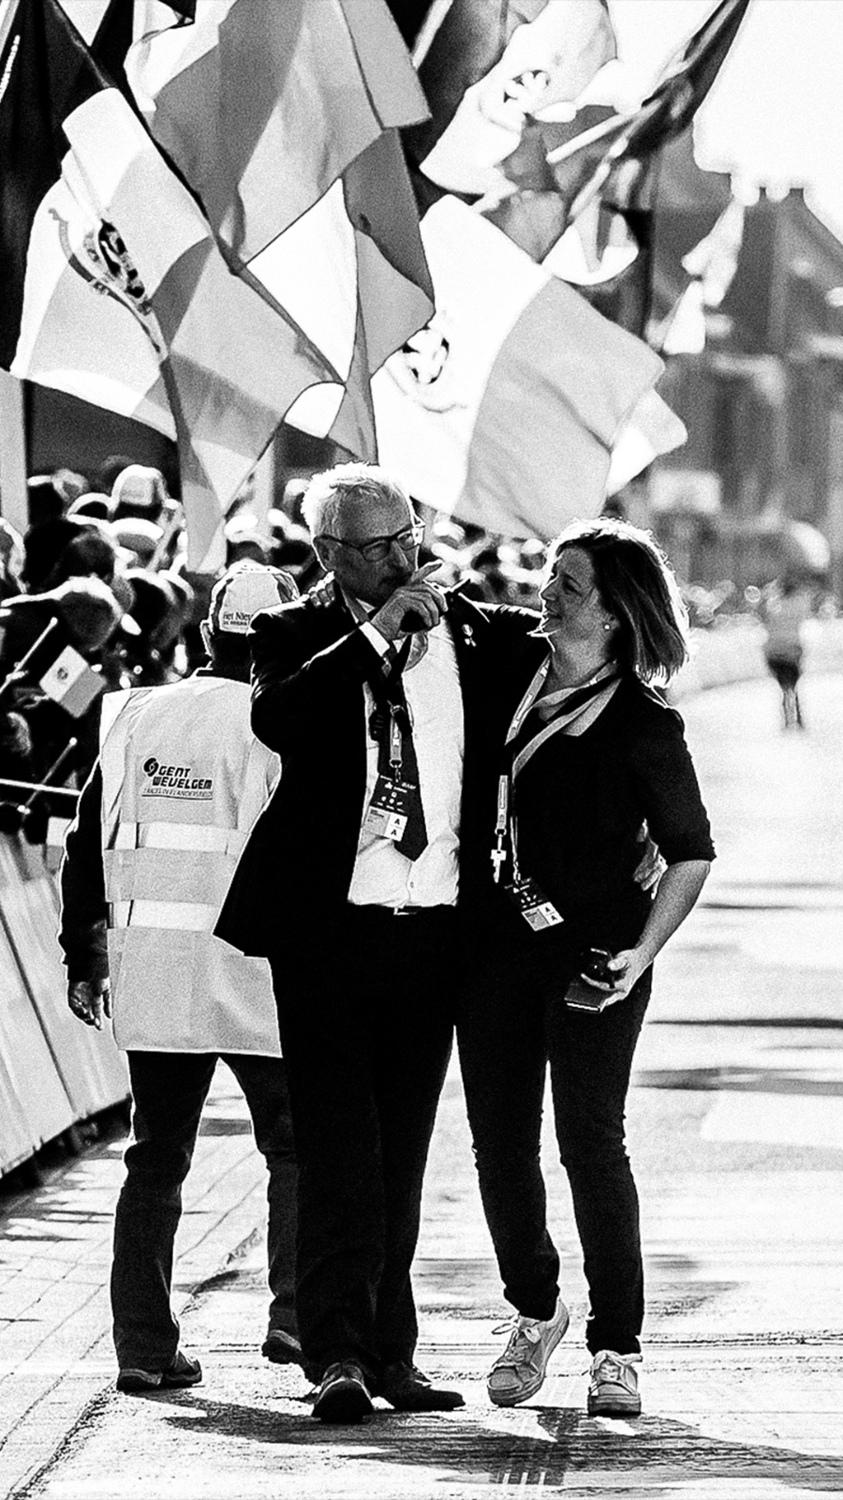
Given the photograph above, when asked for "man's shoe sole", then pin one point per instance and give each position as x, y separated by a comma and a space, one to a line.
346, 1401
280, 1353
421, 1401
135, 1382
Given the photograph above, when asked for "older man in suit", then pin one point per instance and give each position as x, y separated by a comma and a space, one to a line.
377, 695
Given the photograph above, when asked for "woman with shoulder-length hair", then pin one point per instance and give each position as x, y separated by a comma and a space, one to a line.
562, 959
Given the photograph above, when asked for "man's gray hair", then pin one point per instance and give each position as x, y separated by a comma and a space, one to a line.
324, 497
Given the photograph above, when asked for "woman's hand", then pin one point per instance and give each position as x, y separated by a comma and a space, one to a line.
626, 967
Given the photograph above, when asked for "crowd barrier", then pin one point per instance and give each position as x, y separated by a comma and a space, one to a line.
54, 1071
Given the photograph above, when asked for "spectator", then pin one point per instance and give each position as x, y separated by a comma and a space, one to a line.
139, 490
11, 560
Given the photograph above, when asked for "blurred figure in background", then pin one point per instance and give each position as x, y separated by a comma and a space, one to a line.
139, 490
160, 609
784, 613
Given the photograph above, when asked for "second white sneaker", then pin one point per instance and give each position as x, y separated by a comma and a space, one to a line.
519, 1372
613, 1385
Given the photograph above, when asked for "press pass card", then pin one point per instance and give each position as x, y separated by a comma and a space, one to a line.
389, 809
533, 905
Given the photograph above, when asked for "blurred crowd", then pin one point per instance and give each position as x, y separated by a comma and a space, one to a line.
100, 578
102, 572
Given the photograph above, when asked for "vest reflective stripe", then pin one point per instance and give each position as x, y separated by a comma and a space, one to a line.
185, 916
187, 836
185, 875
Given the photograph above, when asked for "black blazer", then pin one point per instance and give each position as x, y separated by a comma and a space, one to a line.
310, 663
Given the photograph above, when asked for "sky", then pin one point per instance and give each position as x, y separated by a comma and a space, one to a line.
775, 114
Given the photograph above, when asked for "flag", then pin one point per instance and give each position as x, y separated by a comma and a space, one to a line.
284, 119
507, 407
71, 683
663, 115
711, 265
54, 664
486, 70
114, 289
583, 190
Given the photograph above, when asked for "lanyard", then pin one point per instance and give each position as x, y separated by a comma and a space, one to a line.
570, 708
396, 741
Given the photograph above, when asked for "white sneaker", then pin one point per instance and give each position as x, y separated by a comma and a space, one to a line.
520, 1370
613, 1386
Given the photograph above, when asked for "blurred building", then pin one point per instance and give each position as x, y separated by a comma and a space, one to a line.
754, 347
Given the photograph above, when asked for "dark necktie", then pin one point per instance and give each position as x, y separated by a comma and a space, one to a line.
391, 704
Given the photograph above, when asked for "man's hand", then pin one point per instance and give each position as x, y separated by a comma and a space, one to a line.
323, 592
651, 866
90, 1000
422, 600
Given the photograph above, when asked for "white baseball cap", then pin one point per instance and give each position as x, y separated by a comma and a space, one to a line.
243, 590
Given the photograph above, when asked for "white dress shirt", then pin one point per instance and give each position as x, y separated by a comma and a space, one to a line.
383, 876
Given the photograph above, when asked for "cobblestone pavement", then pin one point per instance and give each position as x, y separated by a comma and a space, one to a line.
736, 1129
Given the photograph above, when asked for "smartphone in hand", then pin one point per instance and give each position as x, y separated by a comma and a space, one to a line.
580, 995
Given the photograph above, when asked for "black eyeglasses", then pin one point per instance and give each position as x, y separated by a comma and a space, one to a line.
380, 547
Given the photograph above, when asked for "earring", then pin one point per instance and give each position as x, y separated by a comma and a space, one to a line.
607, 625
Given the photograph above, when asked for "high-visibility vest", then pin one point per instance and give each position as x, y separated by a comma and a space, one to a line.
184, 780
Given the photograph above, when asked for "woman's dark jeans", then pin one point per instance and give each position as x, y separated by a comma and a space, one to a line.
513, 1022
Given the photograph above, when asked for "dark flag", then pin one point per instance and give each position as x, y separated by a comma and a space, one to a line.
486, 68
593, 195
668, 111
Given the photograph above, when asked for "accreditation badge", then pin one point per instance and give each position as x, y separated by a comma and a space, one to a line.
528, 899
389, 809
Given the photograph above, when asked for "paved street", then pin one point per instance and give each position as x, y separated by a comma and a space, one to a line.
736, 1128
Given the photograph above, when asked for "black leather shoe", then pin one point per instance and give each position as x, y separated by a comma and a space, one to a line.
408, 1389
282, 1348
343, 1395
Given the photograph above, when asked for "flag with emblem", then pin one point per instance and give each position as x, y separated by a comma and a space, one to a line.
487, 70
601, 171
117, 273
582, 190
508, 407
114, 289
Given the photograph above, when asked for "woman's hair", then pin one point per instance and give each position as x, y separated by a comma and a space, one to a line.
638, 587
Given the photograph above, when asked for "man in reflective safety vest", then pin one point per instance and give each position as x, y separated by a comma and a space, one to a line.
179, 782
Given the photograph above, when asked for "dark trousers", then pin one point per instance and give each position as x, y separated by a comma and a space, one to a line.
169, 1090
366, 1022
512, 1023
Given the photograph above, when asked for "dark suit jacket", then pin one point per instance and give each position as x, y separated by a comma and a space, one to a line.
310, 663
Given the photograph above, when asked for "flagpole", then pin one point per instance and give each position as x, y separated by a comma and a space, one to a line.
432, 21
589, 137
9, 10
12, 433
605, 166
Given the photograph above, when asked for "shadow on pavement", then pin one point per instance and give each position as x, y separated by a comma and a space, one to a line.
736, 1079
660, 1451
